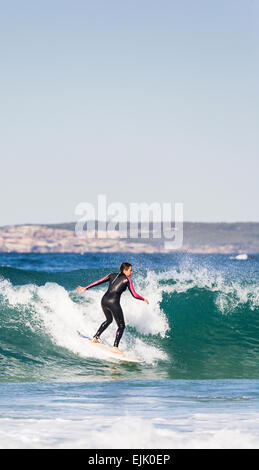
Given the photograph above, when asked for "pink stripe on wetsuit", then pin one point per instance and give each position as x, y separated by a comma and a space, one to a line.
95, 283
132, 290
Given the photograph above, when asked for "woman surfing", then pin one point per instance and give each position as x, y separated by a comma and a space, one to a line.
118, 283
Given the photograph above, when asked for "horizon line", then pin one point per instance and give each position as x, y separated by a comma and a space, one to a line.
128, 222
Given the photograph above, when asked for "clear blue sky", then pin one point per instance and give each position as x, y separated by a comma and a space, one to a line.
141, 100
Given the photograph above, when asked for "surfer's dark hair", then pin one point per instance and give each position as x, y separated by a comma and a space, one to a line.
125, 266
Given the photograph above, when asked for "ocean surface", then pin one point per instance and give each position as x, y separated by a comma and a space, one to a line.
199, 339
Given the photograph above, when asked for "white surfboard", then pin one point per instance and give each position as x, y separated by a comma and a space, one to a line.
109, 351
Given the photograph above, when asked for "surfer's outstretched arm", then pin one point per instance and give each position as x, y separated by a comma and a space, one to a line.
95, 283
133, 292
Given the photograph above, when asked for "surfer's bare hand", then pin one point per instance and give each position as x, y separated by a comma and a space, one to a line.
80, 289
145, 300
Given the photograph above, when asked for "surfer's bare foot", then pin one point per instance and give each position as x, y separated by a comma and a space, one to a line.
95, 340
116, 350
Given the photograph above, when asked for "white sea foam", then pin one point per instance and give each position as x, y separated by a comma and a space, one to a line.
200, 431
242, 256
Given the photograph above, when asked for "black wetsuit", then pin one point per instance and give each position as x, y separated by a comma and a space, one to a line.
118, 283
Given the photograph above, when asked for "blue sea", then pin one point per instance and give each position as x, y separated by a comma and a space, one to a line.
198, 385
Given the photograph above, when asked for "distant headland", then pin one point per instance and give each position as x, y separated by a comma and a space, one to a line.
198, 237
